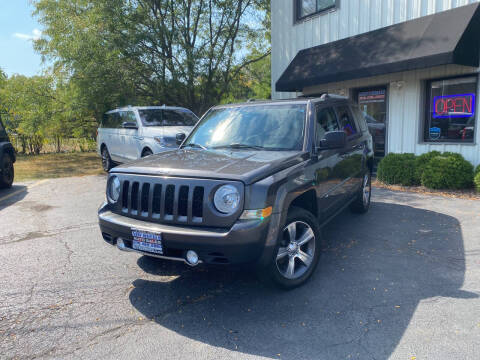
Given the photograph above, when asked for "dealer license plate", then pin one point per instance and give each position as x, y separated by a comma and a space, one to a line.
147, 241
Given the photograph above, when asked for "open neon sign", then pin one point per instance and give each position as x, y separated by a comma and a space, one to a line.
454, 106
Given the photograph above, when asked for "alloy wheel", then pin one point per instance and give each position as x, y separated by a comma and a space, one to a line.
105, 160
297, 252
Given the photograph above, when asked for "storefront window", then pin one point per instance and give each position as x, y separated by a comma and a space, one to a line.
309, 7
451, 110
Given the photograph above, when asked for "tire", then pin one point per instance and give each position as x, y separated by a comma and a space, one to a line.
362, 202
107, 162
8, 173
293, 263
147, 152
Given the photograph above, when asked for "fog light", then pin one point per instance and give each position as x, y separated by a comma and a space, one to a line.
192, 257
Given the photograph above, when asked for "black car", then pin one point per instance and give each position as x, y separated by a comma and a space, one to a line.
252, 184
7, 158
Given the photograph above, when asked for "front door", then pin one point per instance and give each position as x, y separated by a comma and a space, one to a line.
373, 104
130, 139
328, 181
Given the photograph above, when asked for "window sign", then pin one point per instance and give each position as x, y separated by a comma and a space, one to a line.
454, 106
451, 110
373, 96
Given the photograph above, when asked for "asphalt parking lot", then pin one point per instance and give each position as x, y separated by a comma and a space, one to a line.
401, 282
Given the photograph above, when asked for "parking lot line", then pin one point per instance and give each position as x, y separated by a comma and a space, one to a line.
23, 190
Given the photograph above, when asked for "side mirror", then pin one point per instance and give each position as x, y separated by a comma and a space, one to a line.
129, 125
180, 137
334, 140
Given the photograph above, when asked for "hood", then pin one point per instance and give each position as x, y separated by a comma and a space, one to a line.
240, 165
167, 131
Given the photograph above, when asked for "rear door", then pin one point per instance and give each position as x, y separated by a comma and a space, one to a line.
115, 137
352, 157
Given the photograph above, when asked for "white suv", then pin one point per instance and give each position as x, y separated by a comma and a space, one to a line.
129, 133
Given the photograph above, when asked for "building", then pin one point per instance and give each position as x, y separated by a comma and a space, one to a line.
412, 65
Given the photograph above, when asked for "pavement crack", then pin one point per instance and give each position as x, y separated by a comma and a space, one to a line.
6, 240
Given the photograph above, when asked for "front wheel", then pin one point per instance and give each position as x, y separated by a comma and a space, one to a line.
298, 250
107, 163
7, 174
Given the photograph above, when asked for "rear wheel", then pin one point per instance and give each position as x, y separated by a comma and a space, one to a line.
298, 250
8, 173
106, 160
362, 202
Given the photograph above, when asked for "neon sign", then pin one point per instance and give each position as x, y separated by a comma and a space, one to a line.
454, 106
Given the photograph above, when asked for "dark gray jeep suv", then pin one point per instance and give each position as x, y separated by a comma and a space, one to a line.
252, 184
7, 158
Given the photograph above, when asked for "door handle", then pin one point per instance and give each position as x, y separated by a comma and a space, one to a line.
138, 137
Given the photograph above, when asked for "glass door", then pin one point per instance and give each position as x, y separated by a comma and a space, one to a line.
373, 103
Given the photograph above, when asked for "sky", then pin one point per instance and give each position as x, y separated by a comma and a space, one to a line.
17, 29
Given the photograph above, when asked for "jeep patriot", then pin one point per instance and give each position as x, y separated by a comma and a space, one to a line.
253, 183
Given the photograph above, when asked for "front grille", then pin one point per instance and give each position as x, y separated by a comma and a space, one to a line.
167, 202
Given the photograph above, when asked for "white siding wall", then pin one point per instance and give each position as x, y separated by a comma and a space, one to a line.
406, 106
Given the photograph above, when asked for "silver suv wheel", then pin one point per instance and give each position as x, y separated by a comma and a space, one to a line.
296, 257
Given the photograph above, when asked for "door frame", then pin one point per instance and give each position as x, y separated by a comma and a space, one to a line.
355, 93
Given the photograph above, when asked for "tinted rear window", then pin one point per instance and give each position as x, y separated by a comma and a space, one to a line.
167, 117
111, 121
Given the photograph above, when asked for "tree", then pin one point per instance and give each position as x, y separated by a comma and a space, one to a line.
185, 52
27, 102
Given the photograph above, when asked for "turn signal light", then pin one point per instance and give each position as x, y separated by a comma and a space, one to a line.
260, 214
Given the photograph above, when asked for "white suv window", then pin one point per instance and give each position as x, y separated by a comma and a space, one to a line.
127, 116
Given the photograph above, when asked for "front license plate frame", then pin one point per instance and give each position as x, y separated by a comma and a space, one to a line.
147, 241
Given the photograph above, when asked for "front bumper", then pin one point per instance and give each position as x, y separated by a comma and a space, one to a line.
245, 242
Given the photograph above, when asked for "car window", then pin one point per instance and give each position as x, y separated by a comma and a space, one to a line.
151, 117
326, 121
178, 118
346, 121
111, 121
361, 118
127, 116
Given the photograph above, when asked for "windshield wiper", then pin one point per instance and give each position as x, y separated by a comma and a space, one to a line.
193, 145
239, 146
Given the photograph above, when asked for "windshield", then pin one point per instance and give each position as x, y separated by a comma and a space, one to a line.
268, 127
167, 117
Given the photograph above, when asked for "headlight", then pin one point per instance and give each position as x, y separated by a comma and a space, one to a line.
113, 190
227, 199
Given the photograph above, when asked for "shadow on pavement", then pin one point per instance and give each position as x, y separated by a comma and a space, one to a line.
372, 275
11, 196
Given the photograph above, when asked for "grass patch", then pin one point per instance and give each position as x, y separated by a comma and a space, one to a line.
47, 166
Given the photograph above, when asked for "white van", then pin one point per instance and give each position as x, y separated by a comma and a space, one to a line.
129, 133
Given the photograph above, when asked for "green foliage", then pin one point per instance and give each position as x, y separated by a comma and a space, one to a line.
421, 162
397, 169
153, 52
477, 170
448, 171
111, 53
477, 180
